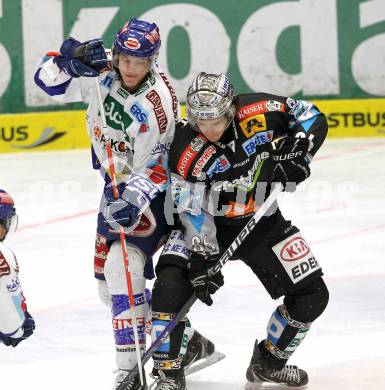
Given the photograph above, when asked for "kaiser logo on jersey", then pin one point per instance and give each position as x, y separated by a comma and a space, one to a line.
259, 108
296, 257
185, 161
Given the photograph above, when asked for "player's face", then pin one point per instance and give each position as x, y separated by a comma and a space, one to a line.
213, 129
133, 70
3, 231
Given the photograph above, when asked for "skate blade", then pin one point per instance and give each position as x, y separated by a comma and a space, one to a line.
264, 385
215, 357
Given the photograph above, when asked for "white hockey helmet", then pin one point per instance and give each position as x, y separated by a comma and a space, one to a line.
210, 96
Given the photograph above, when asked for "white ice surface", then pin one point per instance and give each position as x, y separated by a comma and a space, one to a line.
340, 211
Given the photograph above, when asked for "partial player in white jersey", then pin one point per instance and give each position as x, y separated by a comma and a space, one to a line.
16, 324
141, 110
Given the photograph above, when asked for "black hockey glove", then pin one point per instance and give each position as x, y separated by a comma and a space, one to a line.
292, 161
119, 211
28, 328
203, 284
78, 59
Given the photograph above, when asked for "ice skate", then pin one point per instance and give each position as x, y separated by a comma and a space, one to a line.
200, 354
170, 380
260, 375
132, 385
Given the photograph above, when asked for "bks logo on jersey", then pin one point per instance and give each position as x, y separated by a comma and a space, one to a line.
139, 112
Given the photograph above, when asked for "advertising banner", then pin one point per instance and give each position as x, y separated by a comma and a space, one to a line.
67, 130
329, 49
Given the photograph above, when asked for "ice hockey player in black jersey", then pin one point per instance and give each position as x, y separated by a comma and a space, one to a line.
223, 161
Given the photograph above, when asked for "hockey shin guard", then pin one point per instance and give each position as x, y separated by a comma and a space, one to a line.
168, 297
284, 335
122, 323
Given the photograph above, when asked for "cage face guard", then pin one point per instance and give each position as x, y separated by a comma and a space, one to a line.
210, 96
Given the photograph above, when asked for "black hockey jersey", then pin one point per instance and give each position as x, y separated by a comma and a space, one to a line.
223, 183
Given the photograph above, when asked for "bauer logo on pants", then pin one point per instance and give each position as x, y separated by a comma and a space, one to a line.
296, 257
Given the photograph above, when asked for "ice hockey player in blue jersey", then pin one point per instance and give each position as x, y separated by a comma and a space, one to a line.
16, 324
141, 110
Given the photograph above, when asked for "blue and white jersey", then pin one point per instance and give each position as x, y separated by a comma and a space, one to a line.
12, 302
140, 125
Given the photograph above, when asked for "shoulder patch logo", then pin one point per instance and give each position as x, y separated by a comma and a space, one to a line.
253, 124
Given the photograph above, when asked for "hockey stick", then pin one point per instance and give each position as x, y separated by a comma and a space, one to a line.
121, 232
217, 267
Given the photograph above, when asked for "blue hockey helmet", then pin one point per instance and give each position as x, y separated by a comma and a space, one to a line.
8, 216
138, 38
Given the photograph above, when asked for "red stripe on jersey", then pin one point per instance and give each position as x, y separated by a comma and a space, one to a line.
4, 266
172, 93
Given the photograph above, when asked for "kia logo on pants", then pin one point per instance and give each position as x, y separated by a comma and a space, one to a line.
294, 249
